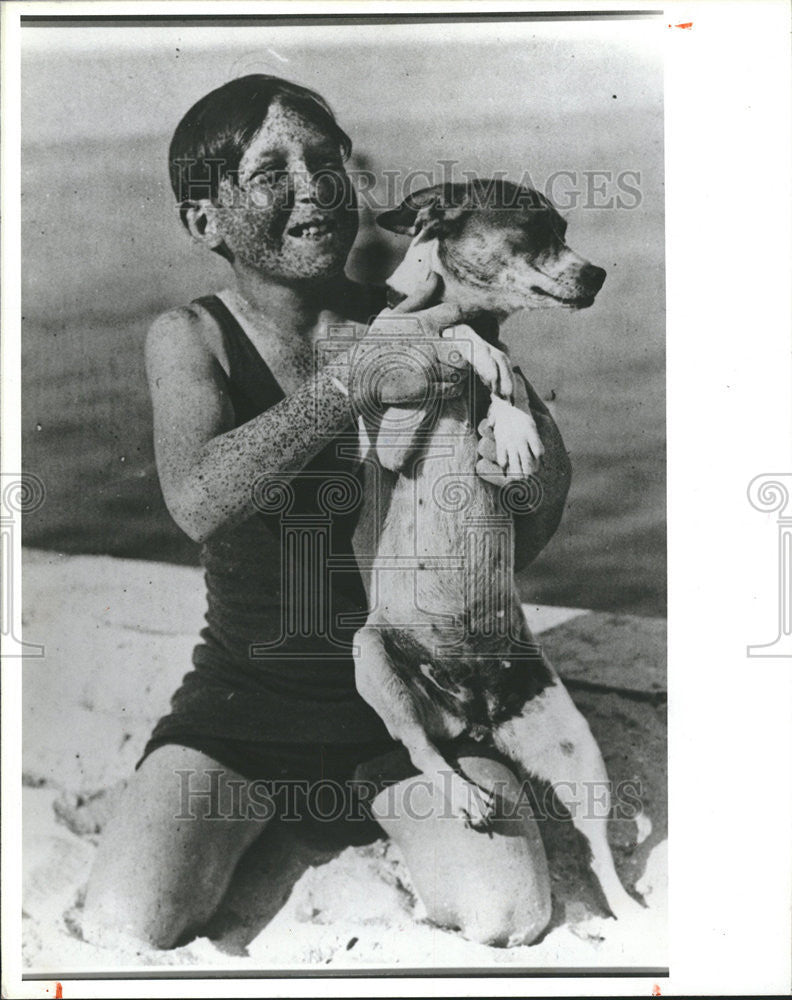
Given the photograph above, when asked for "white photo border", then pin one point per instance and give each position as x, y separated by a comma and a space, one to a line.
728, 257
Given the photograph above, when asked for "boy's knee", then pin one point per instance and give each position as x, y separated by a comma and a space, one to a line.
113, 917
531, 924
110, 921
493, 932
493, 775
508, 927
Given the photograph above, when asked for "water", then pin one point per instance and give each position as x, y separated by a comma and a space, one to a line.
103, 253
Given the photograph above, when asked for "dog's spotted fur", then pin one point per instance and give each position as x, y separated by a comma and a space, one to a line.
446, 649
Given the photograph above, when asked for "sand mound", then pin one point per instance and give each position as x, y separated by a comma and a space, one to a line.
118, 636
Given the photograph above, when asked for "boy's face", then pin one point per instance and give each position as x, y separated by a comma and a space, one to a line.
293, 212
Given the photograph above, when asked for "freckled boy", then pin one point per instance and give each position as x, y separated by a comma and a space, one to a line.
246, 429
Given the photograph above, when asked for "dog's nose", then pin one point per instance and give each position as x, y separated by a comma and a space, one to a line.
593, 277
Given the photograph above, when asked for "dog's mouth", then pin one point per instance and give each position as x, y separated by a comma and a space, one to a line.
570, 302
312, 229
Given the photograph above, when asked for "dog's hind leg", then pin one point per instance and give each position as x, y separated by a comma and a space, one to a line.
389, 695
551, 740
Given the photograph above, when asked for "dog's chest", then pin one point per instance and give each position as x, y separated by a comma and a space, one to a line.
443, 569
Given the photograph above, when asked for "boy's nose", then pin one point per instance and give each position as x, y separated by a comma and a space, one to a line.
303, 185
322, 188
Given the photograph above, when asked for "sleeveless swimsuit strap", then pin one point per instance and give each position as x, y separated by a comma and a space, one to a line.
252, 386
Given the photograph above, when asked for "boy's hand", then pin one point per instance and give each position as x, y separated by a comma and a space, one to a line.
487, 465
398, 363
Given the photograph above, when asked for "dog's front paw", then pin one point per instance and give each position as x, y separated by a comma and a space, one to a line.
493, 368
518, 446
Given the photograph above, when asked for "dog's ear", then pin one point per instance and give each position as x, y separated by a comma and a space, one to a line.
429, 210
399, 220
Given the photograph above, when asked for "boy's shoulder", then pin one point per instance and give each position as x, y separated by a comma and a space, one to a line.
189, 317
187, 331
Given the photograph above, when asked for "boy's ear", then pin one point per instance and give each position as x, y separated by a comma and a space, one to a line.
201, 220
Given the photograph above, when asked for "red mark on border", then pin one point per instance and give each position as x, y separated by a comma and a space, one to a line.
655, 990
687, 24
58, 991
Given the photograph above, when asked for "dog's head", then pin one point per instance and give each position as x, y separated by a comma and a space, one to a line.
499, 246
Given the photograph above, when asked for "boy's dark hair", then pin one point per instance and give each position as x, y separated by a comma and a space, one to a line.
211, 138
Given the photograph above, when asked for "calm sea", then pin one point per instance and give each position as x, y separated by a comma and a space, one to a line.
103, 254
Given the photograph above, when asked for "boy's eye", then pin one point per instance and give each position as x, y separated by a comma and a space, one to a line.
268, 175
330, 162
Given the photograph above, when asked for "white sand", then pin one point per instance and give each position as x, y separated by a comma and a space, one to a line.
118, 635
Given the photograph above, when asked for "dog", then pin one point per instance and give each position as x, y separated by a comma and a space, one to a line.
446, 650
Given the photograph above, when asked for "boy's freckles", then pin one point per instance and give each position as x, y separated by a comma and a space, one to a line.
293, 211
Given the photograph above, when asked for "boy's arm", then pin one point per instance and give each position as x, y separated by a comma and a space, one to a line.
533, 529
207, 467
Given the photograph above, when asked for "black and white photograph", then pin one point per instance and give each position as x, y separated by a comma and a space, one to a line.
343, 494
348, 405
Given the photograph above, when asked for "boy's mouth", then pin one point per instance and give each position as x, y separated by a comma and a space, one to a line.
313, 229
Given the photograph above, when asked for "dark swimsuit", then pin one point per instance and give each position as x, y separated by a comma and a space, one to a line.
272, 693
